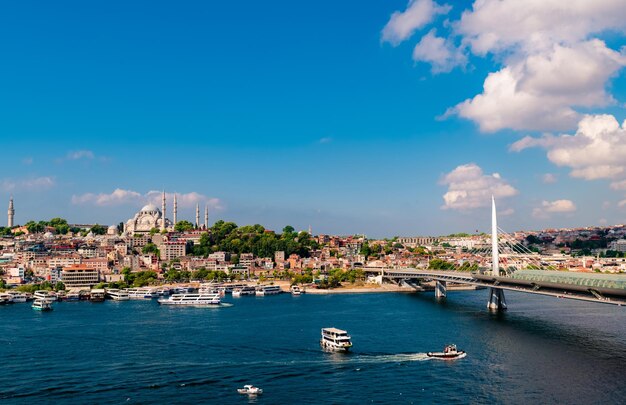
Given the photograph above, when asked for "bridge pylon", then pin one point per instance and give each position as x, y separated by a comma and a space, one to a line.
497, 302
441, 289
496, 295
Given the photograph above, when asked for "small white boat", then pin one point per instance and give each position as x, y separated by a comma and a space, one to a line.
250, 390
295, 290
335, 340
142, 293
450, 352
42, 305
240, 292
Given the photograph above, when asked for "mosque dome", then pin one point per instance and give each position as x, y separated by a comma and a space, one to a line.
149, 208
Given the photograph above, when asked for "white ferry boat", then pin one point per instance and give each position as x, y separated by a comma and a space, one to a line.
250, 390
117, 295
268, 290
142, 294
42, 305
196, 300
240, 292
5, 299
73, 296
336, 340
45, 295
17, 296
163, 291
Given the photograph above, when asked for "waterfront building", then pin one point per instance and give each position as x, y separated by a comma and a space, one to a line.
79, 276
246, 260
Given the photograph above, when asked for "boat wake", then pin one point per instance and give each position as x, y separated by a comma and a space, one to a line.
392, 358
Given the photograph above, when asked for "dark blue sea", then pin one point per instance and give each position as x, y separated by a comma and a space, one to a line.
543, 350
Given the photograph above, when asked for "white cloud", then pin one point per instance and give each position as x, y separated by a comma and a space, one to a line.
439, 52
117, 197
597, 150
326, 139
540, 91
619, 185
80, 154
621, 204
551, 207
184, 200
469, 188
549, 178
30, 184
130, 197
28, 160
553, 64
418, 14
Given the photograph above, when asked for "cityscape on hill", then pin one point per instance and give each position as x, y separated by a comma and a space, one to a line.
160, 249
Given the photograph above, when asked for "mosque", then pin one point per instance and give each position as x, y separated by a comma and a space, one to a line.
150, 217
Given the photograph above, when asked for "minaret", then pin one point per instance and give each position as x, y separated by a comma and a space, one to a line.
206, 217
11, 213
197, 216
175, 209
163, 212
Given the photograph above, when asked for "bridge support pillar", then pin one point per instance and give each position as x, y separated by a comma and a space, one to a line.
441, 289
497, 302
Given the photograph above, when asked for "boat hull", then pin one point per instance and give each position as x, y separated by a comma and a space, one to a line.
446, 356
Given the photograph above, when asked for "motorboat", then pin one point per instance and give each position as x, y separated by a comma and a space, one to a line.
250, 390
194, 300
295, 290
450, 352
335, 340
6, 299
42, 305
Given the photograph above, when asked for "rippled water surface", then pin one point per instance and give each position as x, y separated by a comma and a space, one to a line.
543, 350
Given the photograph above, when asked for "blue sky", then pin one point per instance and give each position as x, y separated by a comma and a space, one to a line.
281, 113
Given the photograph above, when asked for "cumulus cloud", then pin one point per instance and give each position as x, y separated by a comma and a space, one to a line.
418, 14
30, 184
551, 207
549, 178
129, 197
619, 185
552, 63
597, 150
439, 52
117, 197
469, 188
184, 200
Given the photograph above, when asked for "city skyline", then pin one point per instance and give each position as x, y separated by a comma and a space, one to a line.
400, 122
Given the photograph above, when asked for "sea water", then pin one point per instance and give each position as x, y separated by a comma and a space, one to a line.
543, 350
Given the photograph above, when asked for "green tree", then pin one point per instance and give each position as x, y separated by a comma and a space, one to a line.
98, 229
150, 248
59, 286
183, 226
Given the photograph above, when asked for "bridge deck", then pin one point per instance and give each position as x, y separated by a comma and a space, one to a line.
554, 289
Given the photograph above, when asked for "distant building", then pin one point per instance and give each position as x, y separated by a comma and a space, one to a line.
279, 256
79, 276
172, 250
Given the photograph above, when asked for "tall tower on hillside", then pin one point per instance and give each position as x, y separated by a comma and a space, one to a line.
175, 213
163, 212
11, 213
206, 217
197, 216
